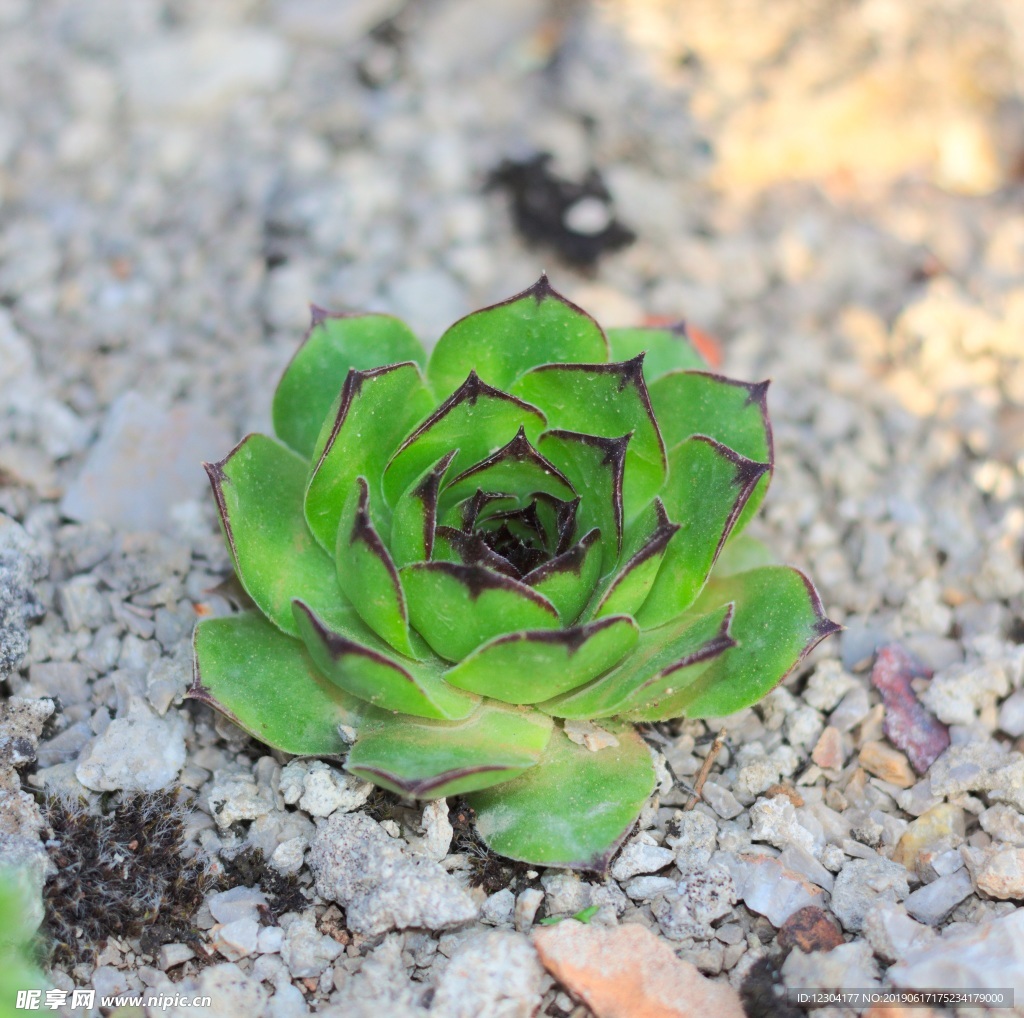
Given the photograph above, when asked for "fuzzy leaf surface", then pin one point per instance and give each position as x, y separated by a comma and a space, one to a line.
374, 412
455, 608
574, 808
607, 400
502, 342
679, 652
476, 420
734, 413
709, 485
428, 759
516, 469
568, 580
594, 465
367, 575
536, 665
367, 670
414, 519
267, 684
778, 618
259, 493
334, 345
643, 550
665, 349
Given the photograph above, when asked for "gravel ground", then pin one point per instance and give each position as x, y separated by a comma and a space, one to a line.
831, 189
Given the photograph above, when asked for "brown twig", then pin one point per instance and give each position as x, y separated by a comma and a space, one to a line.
705, 770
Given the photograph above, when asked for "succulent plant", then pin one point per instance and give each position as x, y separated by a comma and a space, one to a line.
473, 576
20, 914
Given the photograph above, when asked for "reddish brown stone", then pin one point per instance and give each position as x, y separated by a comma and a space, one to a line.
907, 724
628, 972
786, 790
828, 753
811, 929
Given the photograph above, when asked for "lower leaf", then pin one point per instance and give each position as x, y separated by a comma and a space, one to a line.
369, 671
266, 683
574, 808
536, 665
428, 759
665, 659
778, 618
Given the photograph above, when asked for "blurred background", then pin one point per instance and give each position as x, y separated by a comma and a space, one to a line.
830, 190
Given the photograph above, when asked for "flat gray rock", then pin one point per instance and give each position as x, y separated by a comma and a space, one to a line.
146, 460
380, 887
141, 753
19, 566
496, 974
862, 883
765, 885
990, 955
933, 902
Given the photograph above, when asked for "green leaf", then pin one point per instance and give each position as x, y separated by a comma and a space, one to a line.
515, 469
644, 547
664, 658
568, 580
455, 608
267, 684
607, 400
778, 618
741, 554
414, 519
688, 403
428, 759
583, 916
535, 665
558, 519
366, 574
707, 489
375, 411
734, 413
333, 346
667, 349
368, 671
258, 488
476, 420
594, 465
574, 808
502, 342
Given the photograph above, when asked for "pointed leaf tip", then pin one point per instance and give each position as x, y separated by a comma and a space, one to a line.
503, 341
757, 392
334, 343
367, 574
824, 627
779, 619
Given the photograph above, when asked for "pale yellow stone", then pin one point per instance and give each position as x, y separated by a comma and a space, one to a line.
887, 763
934, 831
